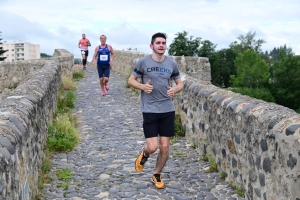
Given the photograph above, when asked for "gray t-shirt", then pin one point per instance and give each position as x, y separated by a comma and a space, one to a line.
160, 74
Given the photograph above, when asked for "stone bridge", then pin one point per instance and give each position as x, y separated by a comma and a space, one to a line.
257, 144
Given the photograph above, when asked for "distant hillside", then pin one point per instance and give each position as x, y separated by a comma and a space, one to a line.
43, 55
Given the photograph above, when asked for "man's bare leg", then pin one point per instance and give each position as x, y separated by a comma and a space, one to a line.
151, 146
83, 60
163, 154
102, 86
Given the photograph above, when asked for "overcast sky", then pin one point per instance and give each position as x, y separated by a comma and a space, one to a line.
131, 23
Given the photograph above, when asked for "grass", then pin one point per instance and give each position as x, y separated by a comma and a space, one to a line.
38, 197
15, 85
65, 101
179, 131
78, 74
173, 139
204, 158
67, 83
213, 165
181, 154
64, 174
44, 170
223, 175
194, 145
62, 134
239, 191
63, 185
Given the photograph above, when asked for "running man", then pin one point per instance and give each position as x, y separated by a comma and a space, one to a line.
156, 72
104, 55
83, 44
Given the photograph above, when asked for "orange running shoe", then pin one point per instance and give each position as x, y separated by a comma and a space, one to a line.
158, 182
140, 162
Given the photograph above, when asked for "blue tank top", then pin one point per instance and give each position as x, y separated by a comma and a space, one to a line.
103, 55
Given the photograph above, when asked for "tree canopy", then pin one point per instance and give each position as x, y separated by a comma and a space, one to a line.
2, 51
207, 49
222, 66
246, 42
286, 81
184, 46
243, 67
252, 71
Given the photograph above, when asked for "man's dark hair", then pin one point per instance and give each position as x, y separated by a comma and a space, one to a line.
156, 35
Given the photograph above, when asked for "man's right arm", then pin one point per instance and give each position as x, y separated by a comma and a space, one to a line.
79, 44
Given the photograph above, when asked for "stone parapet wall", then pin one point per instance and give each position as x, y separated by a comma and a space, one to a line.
24, 117
257, 144
15, 73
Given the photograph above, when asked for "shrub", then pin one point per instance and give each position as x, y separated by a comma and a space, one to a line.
63, 135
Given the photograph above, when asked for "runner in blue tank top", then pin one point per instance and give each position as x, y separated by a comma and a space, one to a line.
104, 54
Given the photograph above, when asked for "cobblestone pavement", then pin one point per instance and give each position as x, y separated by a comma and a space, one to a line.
111, 139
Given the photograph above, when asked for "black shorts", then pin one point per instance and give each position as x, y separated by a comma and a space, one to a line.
161, 124
86, 52
103, 70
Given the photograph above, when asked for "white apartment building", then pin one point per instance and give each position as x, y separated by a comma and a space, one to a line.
20, 51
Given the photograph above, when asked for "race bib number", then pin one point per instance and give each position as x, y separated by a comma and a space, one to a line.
103, 57
83, 52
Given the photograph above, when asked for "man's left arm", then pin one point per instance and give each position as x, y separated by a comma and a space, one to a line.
112, 54
89, 43
172, 90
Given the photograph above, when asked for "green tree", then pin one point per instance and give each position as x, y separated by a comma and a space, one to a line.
252, 71
184, 46
247, 42
2, 51
222, 66
207, 49
252, 77
273, 56
286, 82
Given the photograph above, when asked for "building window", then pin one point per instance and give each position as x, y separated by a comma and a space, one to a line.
12, 59
12, 54
12, 50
